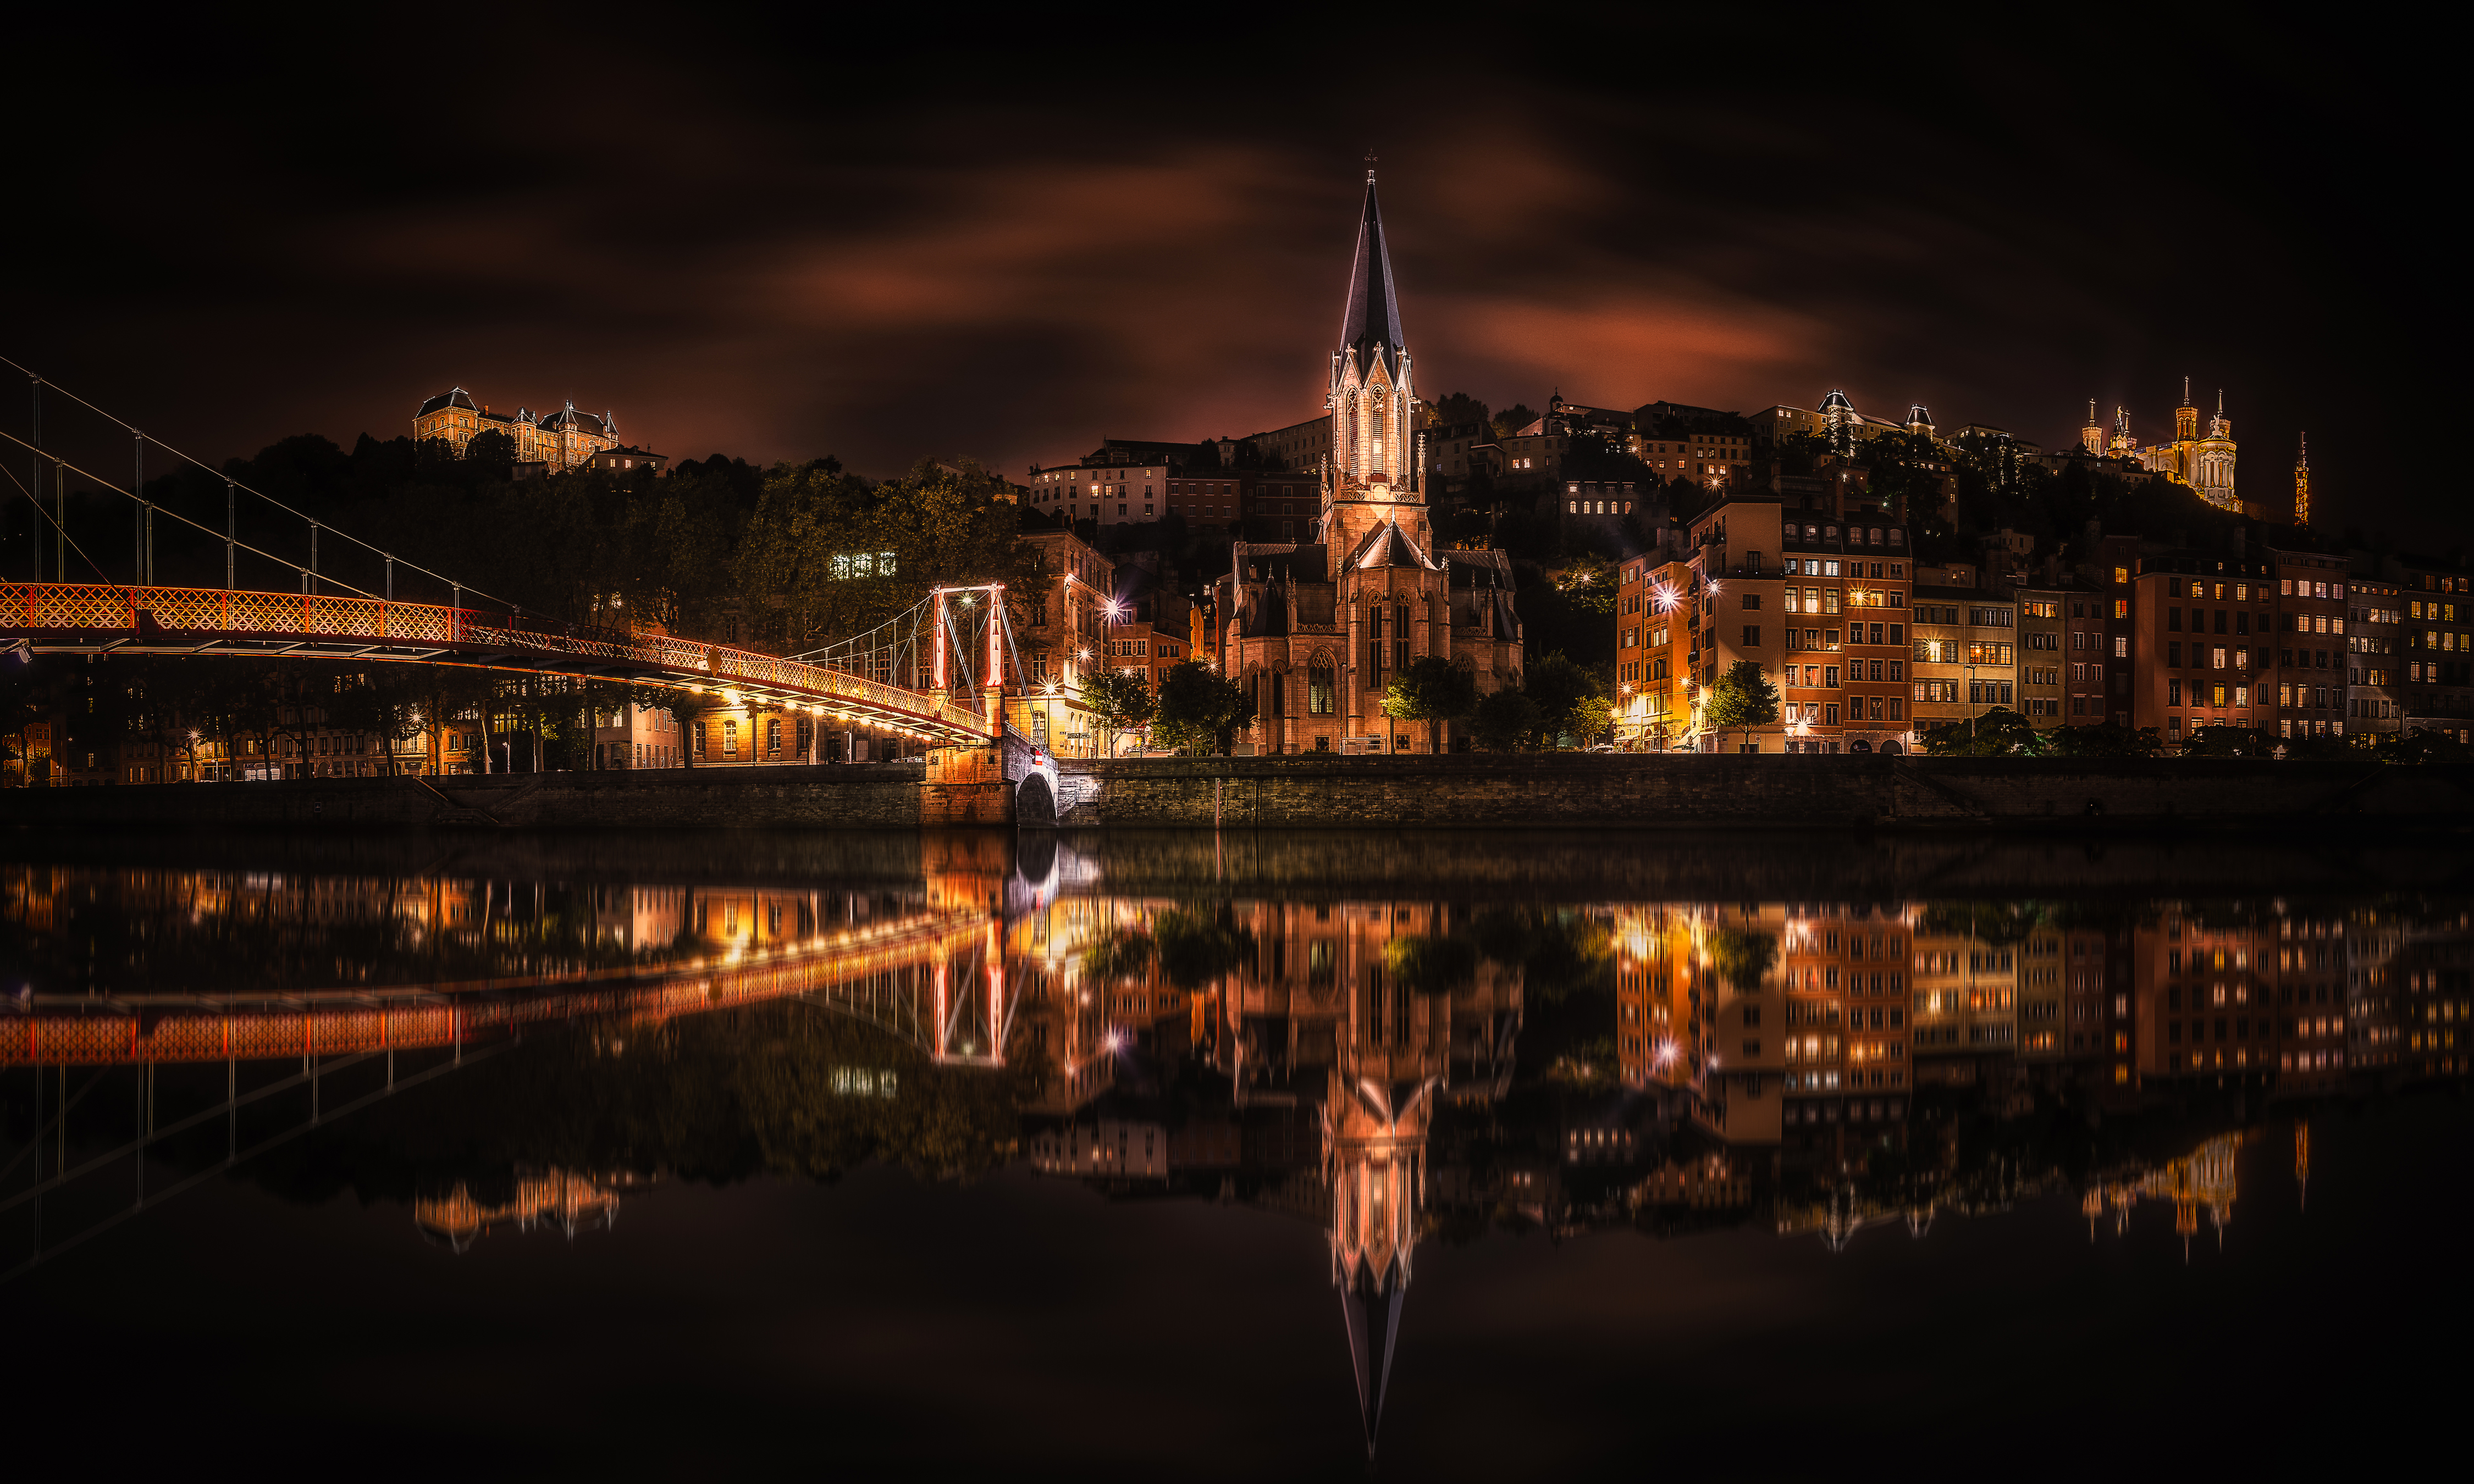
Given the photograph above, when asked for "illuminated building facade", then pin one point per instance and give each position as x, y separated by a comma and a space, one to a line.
2313, 653
2204, 461
1966, 646
2203, 654
558, 442
1816, 595
1965, 1006
2438, 648
2375, 660
1317, 632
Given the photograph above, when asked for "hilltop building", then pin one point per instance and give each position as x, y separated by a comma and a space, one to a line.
558, 442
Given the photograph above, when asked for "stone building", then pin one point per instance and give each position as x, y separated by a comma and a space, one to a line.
1316, 630
2202, 460
559, 441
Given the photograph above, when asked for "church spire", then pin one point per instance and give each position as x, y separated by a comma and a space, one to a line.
1372, 317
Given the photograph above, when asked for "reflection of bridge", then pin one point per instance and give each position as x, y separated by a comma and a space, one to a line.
92, 618
935, 979
902, 976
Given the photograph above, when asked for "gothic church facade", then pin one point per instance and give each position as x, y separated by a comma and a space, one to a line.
1318, 630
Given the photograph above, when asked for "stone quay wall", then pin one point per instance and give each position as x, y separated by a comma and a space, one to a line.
1567, 791
862, 795
1356, 794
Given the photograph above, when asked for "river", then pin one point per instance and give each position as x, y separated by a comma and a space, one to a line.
1473, 1155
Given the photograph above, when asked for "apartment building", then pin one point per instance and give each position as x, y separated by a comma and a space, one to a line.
2438, 649
1966, 647
1062, 629
2375, 672
2044, 629
2312, 649
2202, 651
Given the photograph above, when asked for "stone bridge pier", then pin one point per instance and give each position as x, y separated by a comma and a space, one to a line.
1008, 781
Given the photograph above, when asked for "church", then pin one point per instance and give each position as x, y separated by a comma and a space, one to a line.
1316, 630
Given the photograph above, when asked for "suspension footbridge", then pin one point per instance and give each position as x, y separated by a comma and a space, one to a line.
904, 675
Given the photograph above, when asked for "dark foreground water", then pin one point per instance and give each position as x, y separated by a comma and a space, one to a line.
711, 1157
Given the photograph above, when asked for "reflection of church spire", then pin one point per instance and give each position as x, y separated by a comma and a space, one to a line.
1375, 1114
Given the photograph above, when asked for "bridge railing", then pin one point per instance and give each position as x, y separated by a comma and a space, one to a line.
89, 607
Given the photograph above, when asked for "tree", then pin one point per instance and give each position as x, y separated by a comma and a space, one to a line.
1558, 685
1200, 712
1743, 697
2227, 742
1432, 690
2107, 739
1742, 955
1202, 943
1430, 964
1122, 700
2397, 747
1592, 719
2000, 732
1507, 721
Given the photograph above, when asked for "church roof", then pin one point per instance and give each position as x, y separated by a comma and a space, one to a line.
1374, 313
1387, 545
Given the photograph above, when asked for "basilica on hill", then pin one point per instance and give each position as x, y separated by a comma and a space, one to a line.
1316, 630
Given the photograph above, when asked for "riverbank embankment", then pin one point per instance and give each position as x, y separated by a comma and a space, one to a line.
1483, 791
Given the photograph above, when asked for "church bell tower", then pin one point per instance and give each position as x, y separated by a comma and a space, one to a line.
1372, 397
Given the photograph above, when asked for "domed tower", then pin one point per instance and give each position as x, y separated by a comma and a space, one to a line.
1839, 421
2212, 461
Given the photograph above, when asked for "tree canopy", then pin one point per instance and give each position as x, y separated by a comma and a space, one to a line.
1200, 712
1743, 697
1432, 690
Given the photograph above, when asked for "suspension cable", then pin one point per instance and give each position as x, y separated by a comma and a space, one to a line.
186, 458
55, 523
60, 462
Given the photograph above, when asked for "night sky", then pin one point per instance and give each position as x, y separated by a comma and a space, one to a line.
892, 232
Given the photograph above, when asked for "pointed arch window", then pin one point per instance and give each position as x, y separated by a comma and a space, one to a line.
1322, 693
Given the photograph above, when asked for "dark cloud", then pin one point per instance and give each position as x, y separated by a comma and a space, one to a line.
784, 234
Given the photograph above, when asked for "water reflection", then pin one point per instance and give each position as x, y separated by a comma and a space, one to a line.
507, 1053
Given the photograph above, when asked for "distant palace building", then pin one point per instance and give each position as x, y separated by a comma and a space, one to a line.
558, 442
1315, 631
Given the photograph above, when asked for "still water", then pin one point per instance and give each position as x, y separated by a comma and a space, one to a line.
1482, 1155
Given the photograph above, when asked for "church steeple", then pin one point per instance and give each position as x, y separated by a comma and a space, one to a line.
1370, 325
1372, 400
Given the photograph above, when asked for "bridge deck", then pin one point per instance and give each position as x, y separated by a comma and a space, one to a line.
102, 618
